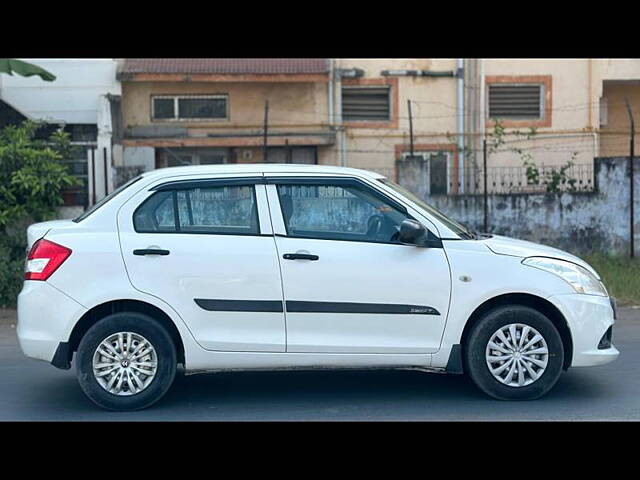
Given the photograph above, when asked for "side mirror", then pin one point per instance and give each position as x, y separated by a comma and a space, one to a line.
413, 233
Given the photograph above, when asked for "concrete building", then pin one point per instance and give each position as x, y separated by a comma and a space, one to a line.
352, 112
203, 111
355, 112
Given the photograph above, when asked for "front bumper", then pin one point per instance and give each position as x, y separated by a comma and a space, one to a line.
45, 319
589, 318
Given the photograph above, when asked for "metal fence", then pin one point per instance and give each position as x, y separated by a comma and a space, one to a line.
521, 179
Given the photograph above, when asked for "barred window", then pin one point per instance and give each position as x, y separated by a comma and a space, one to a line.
516, 101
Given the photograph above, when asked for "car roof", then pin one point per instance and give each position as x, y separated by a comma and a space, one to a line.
259, 168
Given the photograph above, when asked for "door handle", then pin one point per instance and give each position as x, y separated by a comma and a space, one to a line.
300, 256
151, 251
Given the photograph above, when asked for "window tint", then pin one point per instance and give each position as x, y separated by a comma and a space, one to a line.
227, 210
156, 214
337, 212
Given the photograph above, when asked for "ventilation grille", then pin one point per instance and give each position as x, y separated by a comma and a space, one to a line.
515, 101
365, 103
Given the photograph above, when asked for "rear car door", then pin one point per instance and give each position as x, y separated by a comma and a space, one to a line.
205, 246
349, 285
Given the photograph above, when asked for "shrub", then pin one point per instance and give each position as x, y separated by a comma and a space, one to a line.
32, 177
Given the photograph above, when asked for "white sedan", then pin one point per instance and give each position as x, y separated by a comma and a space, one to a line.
290, 266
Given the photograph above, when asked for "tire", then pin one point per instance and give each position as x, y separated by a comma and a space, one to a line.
532, 385
153, 384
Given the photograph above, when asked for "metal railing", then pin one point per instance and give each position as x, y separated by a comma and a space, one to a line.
520, 179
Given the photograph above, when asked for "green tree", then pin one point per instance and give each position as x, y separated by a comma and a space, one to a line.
32, 177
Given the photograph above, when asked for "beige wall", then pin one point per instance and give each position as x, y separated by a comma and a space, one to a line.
572, 133
433, 109
289, 103
614, 139
578, 85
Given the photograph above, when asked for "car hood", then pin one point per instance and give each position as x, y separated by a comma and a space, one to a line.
521, 248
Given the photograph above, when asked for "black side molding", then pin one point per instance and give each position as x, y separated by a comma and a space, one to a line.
215, 305
62, 357
454, 364
347, 307
239, 305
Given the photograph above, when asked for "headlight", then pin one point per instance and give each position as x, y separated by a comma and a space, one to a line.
581, 279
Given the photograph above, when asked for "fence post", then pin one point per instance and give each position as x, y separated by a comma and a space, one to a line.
410, 127
484, 162
266, 126
631, 196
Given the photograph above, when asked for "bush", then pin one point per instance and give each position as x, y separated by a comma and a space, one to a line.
32, 177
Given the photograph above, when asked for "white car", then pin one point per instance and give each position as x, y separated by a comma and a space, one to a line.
238, 267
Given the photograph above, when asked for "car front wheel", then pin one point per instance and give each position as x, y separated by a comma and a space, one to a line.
126, 361
514, 353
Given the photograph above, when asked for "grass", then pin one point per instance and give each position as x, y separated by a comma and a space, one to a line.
620, 275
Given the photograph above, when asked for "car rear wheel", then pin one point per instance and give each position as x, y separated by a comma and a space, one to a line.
514, 353
126, 361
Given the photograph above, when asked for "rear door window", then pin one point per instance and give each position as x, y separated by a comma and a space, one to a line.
222, 209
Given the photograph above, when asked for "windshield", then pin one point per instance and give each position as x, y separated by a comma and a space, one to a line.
106, 199
456, 227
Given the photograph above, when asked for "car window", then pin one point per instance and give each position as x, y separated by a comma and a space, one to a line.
338, 212
227, 210
454, 226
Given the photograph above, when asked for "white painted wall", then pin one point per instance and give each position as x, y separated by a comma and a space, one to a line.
72, 98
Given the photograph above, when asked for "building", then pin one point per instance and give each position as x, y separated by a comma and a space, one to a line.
208, 110
355, 112
423, 122
79, 101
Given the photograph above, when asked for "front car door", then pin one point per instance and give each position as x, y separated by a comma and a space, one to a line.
349, 285
205, 246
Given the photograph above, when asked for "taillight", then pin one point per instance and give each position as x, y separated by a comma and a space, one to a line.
44, 258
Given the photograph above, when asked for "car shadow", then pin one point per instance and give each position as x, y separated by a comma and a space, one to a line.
316, 395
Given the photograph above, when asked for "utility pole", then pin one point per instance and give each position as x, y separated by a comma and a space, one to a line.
410, 127
631, 196
484, 168
266, 126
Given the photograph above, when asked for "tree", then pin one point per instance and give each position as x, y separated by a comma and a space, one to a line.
32, 177
25, 69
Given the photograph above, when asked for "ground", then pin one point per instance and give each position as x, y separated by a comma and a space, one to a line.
34, 390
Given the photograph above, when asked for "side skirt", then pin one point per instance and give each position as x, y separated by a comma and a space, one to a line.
317, 368
199, 361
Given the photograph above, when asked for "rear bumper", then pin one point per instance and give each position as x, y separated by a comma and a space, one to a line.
589, 317
45, 319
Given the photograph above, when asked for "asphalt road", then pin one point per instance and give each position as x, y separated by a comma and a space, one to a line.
34, 390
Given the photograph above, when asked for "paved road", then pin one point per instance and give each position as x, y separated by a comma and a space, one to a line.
33, 390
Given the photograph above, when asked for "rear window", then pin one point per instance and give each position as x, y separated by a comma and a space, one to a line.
107, 198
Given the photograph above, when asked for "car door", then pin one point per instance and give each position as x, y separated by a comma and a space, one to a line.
349, 285
205, 246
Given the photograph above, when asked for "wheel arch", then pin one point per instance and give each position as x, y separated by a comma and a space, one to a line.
528, 300
98, 312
